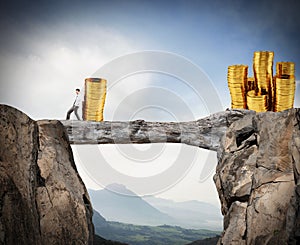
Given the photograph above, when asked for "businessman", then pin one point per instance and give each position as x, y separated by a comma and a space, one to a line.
75, 106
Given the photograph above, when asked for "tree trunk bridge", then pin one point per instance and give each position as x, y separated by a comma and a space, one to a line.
204, 133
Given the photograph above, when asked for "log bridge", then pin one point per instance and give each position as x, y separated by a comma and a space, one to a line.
204, 133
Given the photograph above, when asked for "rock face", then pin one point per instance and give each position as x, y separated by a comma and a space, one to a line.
257, 179
42, 198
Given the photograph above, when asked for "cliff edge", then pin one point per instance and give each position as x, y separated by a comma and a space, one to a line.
257, 179
42, 198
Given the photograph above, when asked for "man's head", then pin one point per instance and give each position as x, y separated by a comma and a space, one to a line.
77, 90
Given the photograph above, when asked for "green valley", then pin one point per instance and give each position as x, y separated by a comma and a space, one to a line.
146, 235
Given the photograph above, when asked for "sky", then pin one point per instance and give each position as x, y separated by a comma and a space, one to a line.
163, 61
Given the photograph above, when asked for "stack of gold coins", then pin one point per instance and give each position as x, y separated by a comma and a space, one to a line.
263, 72
263, 69
94, 99
237, 82
284, 86
257, 102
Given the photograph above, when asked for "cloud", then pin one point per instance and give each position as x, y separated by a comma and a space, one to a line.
153, 97
40, 78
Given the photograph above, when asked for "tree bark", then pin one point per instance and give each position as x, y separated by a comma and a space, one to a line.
204, 133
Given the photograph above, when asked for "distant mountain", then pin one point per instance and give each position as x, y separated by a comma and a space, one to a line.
101, 225
99, 220
131, 209
190, 214
144, 235
126, 207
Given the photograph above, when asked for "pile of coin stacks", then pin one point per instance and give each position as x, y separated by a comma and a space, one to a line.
262, 92
285, 86
237, 82
94, 99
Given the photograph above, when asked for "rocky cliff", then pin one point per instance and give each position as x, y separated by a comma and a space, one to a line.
42, 198
257, 179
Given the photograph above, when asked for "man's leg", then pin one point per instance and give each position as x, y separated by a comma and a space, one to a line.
76, 113
69, 112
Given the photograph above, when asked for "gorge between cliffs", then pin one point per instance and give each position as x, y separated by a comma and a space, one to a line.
44, 201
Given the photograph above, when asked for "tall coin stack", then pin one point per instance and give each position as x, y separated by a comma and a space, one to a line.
285, 86
237, 82
94, 99
263, 73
